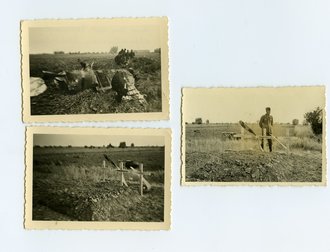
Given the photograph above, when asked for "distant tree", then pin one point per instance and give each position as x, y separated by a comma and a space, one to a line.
295, 122
58, 52
314, 118
122, 145
207, 121
198, 120
114, 50
69, 146
132, 145
110, 146
157, 50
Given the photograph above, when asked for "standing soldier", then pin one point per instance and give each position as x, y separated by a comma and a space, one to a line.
266, 124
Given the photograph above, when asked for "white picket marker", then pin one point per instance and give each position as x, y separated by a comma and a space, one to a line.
104, 166
141, 178
121, 170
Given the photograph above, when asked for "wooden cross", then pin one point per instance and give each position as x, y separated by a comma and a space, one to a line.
121, 170
143, 181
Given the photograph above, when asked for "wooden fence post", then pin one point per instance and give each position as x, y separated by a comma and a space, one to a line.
121, 166
141, 178
104, 170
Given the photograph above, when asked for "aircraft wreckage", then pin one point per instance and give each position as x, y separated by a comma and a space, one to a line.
122, 82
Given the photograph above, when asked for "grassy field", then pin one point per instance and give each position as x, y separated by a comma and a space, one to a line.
214, 157
216, 129
71, 183
54, 101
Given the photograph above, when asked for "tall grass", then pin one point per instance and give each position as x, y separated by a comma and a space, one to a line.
95, 173
302, 143
219, 145
303, 131
208, 145
82, 173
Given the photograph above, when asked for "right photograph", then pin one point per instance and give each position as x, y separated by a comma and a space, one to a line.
254, 136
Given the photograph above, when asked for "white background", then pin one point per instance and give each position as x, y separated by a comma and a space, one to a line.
227, 43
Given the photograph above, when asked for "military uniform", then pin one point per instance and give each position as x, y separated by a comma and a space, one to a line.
266, 122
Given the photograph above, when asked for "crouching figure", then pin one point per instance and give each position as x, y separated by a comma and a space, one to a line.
123, 82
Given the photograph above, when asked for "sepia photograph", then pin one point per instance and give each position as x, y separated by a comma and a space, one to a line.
95, 69
90, 178
253, 136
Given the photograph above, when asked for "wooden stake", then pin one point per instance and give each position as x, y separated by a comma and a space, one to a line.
280, 143
263, 139
121, 170
104, 170
141, 178
121, 166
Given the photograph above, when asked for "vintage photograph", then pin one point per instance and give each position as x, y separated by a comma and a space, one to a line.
93, 178
95, 69
253, 136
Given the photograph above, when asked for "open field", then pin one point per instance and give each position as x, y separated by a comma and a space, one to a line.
70, 183
211, 157
216, 129
56, 101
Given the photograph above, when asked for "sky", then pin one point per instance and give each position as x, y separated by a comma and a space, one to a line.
229, 105
96, 140
96, 38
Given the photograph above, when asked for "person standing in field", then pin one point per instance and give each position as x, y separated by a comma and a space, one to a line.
266, 125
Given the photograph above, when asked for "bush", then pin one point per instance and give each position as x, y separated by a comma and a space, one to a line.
295, 121
314, 118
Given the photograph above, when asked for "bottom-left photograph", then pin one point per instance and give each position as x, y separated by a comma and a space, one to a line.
97, 178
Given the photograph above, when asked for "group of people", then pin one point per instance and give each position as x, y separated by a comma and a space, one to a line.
124, 56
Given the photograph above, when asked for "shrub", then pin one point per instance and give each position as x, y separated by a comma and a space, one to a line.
295, 121
314, 118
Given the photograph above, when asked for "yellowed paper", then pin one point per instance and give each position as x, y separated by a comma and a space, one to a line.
229, 139
97, 178
95, 69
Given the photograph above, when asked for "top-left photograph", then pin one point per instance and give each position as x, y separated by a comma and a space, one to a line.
95, 69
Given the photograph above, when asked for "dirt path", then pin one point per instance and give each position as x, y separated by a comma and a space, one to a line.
251, 166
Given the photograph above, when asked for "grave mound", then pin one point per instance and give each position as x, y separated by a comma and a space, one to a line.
100, 201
